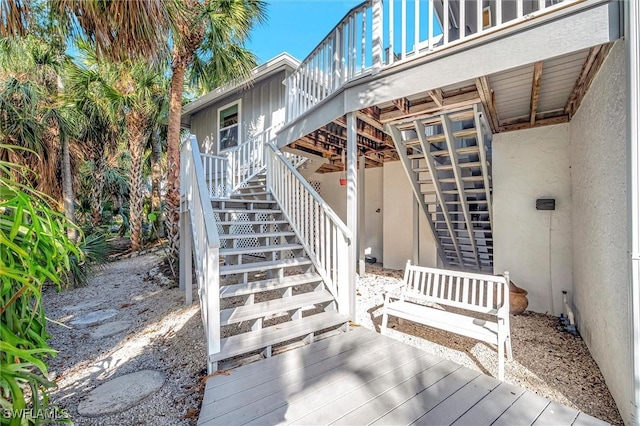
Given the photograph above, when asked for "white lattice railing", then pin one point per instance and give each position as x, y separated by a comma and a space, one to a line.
206, 243
377, 34
324, 236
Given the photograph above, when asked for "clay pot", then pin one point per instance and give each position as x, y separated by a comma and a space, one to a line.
517, 299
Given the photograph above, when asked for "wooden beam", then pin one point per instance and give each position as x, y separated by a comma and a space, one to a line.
488, 102
453, 102
436, 95
369, 120
539, 123
591, 66
402, 104
535, 91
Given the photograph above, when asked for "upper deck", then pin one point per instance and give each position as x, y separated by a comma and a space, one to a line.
383, 51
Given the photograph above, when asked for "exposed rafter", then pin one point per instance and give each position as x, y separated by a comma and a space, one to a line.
403, 105
452, 102
437, 97
535, 91
595, 59
541, 122
488, 102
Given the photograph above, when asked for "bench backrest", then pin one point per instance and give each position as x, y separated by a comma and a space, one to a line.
475, 292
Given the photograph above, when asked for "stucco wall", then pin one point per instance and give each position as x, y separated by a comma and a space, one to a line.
599, 179
389, 232
398, 229
336, 196
534, 245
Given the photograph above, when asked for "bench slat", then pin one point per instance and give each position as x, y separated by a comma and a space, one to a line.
426, 291
475, 328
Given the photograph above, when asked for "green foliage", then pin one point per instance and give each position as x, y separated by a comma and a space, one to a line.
34, 249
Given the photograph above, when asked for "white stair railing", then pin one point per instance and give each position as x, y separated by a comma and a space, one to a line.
205, 241
246, 160
324, 236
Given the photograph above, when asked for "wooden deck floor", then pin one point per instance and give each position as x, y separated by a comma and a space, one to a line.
362, 378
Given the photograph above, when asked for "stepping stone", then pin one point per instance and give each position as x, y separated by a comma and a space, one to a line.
84, 305
94, 317
120, 394
110, 329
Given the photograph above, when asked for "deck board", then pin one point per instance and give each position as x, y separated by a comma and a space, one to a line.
362, 377
487, 411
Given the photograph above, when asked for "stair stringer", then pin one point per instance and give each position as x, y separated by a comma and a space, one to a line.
453, 148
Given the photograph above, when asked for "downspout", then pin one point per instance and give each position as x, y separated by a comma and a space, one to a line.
632, 40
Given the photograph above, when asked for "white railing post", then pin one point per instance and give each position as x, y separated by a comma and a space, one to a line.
376, 35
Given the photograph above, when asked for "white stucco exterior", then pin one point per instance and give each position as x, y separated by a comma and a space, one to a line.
534, 245
600, 230
398, 224
336, 196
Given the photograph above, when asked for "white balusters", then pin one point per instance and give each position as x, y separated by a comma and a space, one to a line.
322, 233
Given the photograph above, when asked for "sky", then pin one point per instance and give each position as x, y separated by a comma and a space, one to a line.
296, 26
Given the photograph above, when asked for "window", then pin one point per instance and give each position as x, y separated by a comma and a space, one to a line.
229, 126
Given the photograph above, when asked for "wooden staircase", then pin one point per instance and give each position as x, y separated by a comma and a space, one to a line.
270, 291
447, 160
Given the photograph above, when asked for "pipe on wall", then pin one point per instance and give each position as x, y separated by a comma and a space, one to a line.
632, 41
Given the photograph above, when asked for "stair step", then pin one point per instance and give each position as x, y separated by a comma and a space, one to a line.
262, 266
461, 165
468, 202
272, 307
259, 339
268, 285
465, 150
250, 187
258, 235
237, 196
242, 201
464, 179
466, 191
251, 222
259, 249
245, 211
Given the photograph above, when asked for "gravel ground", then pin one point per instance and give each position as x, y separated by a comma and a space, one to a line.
547, 360
167, 336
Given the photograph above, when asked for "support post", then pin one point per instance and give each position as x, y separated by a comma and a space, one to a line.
361, 208
416, 233
632, 41
352, 205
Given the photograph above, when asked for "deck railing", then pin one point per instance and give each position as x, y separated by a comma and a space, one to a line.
324, 236
205, 241
226, 172
376, 35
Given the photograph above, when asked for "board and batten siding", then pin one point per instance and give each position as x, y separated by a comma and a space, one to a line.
262, 105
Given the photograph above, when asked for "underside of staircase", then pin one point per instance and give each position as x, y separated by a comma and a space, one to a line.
271, 296
447, 160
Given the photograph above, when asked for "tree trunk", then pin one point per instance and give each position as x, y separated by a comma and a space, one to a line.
136, 126
67, 189
96, 190
156, 177
172, 200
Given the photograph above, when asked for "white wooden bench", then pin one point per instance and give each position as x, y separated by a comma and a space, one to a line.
428, 294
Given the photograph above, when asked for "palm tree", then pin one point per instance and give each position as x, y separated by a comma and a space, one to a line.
34, 116
207, 39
